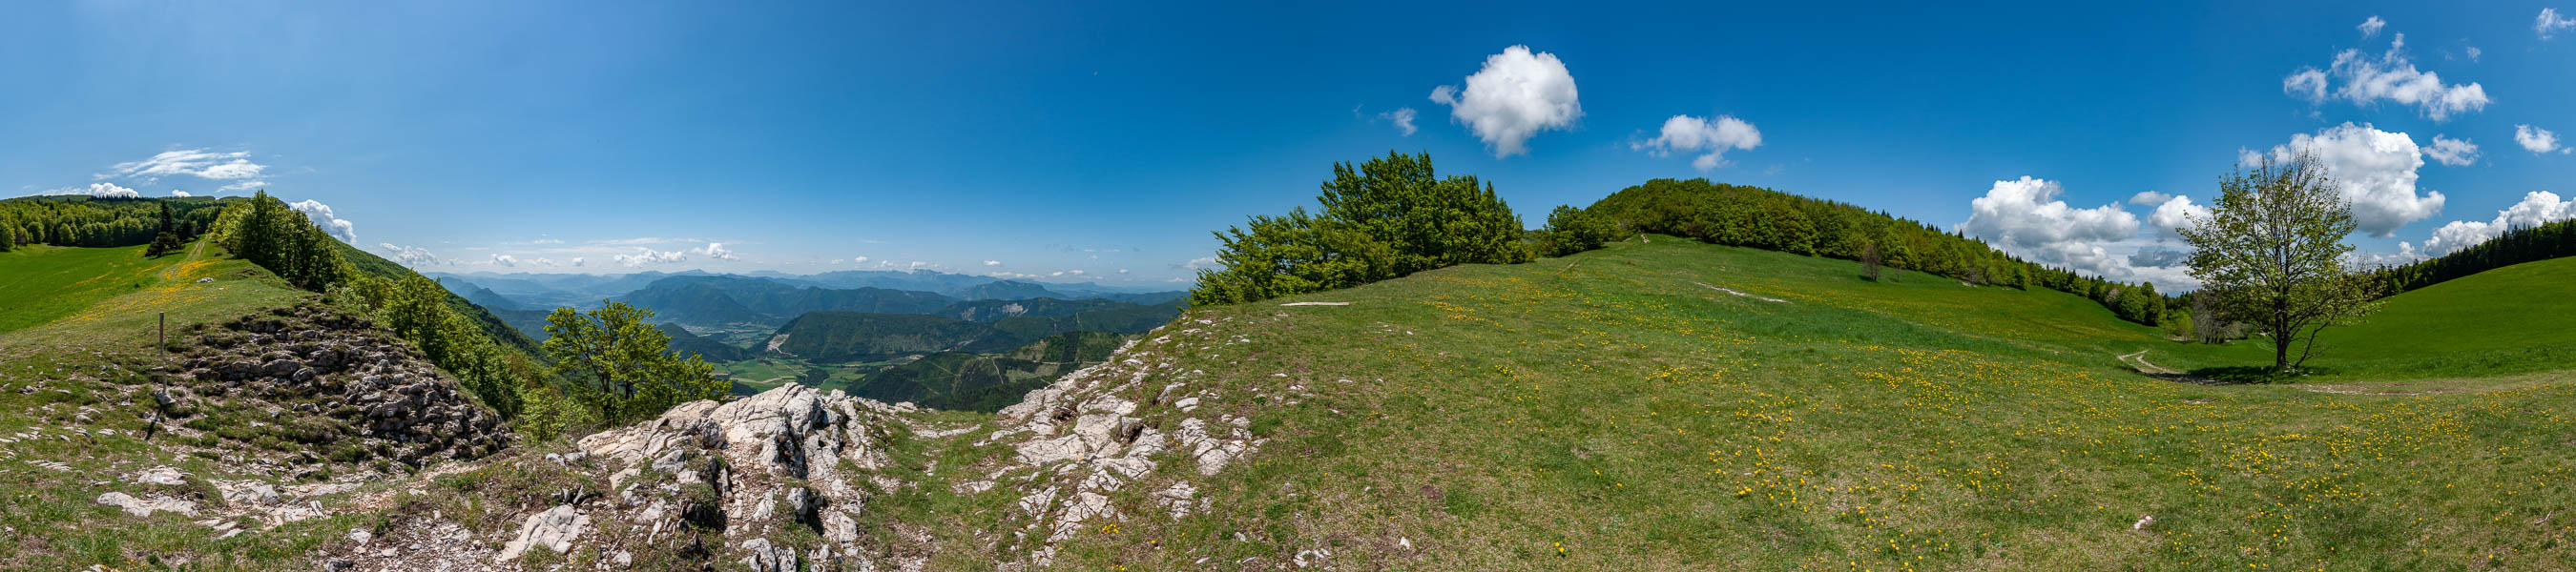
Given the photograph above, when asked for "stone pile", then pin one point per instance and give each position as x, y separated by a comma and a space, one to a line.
340, 366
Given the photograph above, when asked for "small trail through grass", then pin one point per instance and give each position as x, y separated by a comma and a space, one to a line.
2139, 360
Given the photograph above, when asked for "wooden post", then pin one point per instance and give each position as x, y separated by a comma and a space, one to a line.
165, 334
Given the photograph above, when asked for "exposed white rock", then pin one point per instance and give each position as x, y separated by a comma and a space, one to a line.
554, 529
162, 476
766, 557
145, 507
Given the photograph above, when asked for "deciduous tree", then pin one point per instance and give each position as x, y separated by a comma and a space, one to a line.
2271, 252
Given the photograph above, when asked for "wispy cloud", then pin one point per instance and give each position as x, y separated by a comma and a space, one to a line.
200, 163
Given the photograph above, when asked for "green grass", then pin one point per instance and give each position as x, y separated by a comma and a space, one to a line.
44, 283
81, 324
1611, 405
110, 299
2503, 321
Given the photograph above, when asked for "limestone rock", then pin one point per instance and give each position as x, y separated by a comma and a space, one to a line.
554, 529
145, 507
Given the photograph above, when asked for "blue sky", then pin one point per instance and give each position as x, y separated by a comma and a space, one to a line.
1050, 138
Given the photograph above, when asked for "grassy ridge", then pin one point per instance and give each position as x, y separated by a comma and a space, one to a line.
108, 299
49, 282
49, 375
1616, 410
2503, 321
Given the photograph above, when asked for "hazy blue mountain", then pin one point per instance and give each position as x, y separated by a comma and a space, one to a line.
695, 303
479, 295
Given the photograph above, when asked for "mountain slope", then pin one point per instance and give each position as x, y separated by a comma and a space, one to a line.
1122, 318
480, 296
860, 336
724, 300
684, 342
499, 331
694, 304
1634, 412
2508, 320
973, 382
995, 310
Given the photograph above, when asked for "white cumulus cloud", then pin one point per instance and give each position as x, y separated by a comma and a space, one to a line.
180, 193
2149, 198
2376, 170
992, 263
2537, 208
2175, 214
2024, 217
1686, 134
2453, 152
1516, 95
715, 250
100, 190
2391, 76
2537, 140
2371, 26
505, 261
331, 224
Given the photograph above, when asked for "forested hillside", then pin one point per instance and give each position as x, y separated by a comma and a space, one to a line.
2517, 246
1762, 218
962, 381
84, 221
726, 300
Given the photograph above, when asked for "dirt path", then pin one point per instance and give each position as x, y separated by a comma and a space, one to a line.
195, 251
2139, 361
1741, 293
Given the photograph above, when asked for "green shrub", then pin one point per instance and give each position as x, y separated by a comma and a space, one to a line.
1386, 218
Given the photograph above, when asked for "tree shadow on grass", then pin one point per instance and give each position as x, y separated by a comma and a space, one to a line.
2243, 375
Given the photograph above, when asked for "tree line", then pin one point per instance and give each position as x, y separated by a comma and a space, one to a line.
96, 222
1756, 217
2516, 246
1392, 216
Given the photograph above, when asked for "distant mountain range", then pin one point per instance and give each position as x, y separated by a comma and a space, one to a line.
587, 291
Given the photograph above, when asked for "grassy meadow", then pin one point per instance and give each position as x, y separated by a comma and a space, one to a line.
1616, 410
79, 334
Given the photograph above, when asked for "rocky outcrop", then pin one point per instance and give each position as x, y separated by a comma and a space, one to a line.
554, 529
1102, 430
313, 360
788, 457
792, 478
